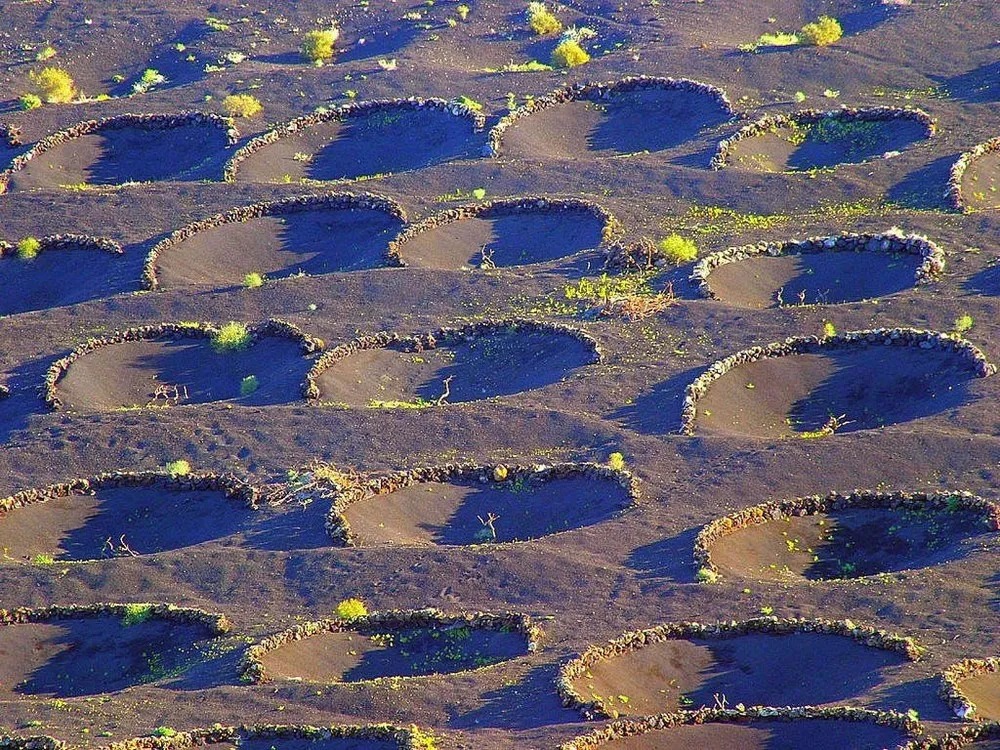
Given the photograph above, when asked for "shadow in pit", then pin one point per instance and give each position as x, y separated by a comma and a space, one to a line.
527, 704
657, 411
667, 559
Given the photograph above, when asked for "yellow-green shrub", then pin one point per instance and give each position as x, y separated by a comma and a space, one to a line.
569, 54
54, 85
541, 20
350, 609
242, 105
231, 337
27, 249
821, 32
677, 249
317, 45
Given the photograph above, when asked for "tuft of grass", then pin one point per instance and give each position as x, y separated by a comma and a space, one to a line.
417, 403
616, 462
163, 732
249, 385
43, 559
822, 32
468, 102
541, 20
136, 614
46, 53
569, 54
242, 105
678, 250
27, 249
54, 85
350, 609
29, 101
232, 337
317, 45
150, 78
963, 323
777, 39
178, 468
829, 329
707, 575
253, 280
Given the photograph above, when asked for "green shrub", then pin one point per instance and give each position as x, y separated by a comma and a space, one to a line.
232, 337
821, 32
463, 11
242, 105
964, 323
43, 559
253, 280
27, 249
46, 53
350, 609
136, 614
569, 54
616, 462
54, 85
150, 77
707, 575
317, 45
29, 101
829, 329
541, 20
178, 468
163, 732
777, 39
677, 249
249, 385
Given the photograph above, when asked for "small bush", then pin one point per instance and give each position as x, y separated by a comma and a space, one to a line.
178, 468
232, 337
43, 559
27, 249
829, 329
964, 323
249, 385
541, 20
136, 614
253, 280
821, 32
163, 732
500, 473
46, 53
317, 45
29, 101
350, 609
463, 11
677, 249
616, 462
569, 54
707, 575
242, 105
54, 85
150, 77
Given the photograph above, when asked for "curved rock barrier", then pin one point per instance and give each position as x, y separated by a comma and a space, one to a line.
216, 624
600, 91
11, 135
37, 742
171, 331
358, 109
147, 122
984, 734
253, 669
494, 475
968, 353
600, 707
772, 123
892, 241
954, 192
951, 686
611, 228
446, 336
399, 737
758, 515
282, 207
68, 242
625, 728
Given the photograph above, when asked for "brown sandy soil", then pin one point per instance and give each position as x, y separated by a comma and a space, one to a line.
499, 364
780, 151
984, 691
507, 240
756, 670
440, 513
625, 123
369, 144
113, 157
847, 544
354, 656
981, 183
873, 386
766, 735
813, 278
88, 656
597, 582
127, 375
54, 278
312, 242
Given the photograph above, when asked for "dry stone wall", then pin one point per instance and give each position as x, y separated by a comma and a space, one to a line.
958, 169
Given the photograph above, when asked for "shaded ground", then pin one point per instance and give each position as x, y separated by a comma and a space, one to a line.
498, 364
353, 656
871, 386
756, 670
366, 145
330, 744
127, 375
438, 513
69, 658
113, 157
847, 543
55, 278
814, 278
312, 242
511, 240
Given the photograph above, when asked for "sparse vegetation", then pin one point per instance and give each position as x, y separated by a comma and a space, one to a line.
822, 32
317, 45
163, 732
27, 248
54, 85
29, 102
178, 468
136, 614
541, 20
232, 337
829, 329
43, 559
242, 105
678, 250
706, 575
45, 53
350, 609
616, 462
253, 280
963, 324
249, 385
149, 79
